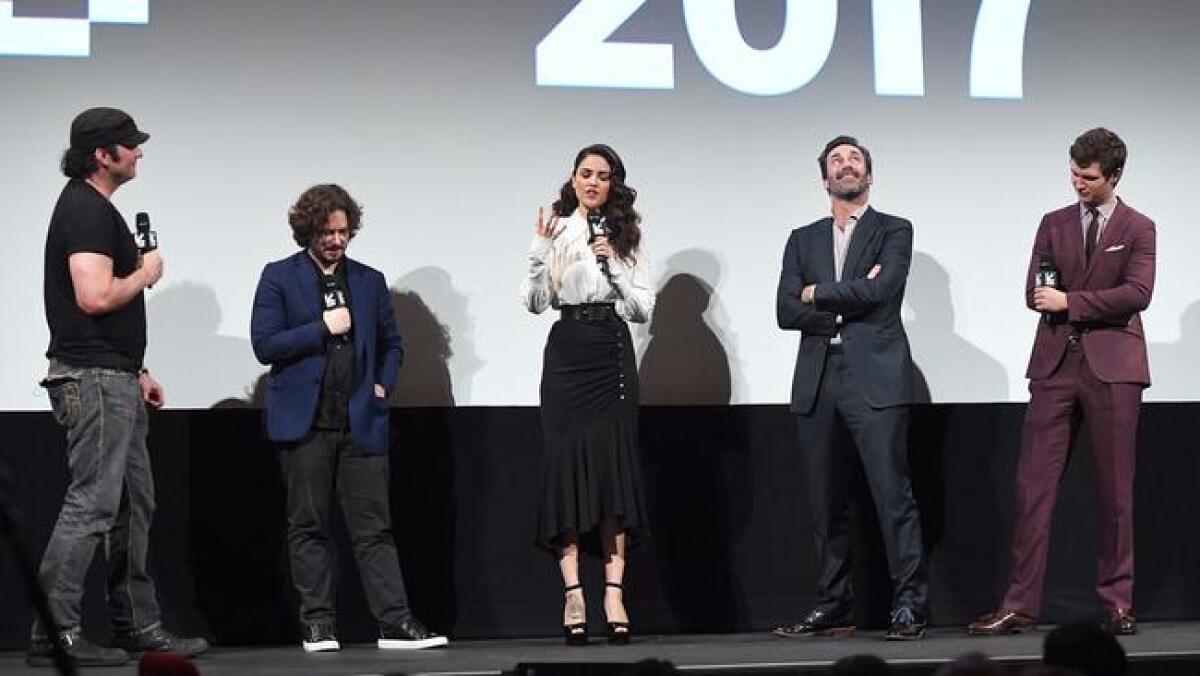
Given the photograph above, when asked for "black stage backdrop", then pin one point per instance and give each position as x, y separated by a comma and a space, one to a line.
729, 551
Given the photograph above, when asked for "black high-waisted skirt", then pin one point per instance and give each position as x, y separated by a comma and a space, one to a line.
591, 469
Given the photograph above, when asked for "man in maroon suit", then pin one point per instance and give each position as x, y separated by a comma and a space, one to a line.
1089, 353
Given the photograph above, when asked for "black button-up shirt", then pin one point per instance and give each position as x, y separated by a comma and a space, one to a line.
338, 381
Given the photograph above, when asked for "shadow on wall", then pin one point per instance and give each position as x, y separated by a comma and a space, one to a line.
684, 360
1174, 367
440, 361
685, 363
945, 361
189, 357
944, 358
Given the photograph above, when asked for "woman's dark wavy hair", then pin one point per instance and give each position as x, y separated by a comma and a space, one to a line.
623, 220
80, 164
310, 214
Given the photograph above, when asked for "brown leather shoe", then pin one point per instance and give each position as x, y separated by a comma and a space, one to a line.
1120, 622
1000, 623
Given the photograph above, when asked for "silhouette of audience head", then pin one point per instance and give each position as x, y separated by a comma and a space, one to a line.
1050, 670
972, 664
860, 665
1086, 647
651, 667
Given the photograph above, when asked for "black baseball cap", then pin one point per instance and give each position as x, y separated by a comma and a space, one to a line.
103, 127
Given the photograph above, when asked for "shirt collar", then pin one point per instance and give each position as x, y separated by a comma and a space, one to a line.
854, 217
337, 267
1106, 209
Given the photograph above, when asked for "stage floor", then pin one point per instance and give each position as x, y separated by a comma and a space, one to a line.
726, 653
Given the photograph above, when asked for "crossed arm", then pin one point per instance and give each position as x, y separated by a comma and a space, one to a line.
790, 312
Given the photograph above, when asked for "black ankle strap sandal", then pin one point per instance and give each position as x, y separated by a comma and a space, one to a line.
618, 632
576, 633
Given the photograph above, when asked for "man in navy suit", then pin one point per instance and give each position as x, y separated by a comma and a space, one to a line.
324, 324
841, 286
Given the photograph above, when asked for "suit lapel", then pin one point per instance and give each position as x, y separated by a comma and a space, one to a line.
823, 242
864, 232
1072, 239
360, 303
305, 277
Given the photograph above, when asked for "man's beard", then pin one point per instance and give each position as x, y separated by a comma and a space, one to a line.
849, 193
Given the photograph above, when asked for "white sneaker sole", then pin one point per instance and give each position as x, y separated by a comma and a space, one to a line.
401, 644
322, 646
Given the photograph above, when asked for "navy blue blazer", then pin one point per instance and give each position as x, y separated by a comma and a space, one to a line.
288, 335
873, 338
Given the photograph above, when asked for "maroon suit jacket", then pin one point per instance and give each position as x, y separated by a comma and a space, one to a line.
1104, 297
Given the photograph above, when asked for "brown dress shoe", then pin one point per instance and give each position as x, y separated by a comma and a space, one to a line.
1120, 622
1000, 623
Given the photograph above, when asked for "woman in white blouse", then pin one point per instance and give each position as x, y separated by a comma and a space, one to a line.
585, 262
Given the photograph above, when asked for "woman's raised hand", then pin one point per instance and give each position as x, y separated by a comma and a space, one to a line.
548, 229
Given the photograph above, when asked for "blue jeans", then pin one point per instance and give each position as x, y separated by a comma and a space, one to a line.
110, 499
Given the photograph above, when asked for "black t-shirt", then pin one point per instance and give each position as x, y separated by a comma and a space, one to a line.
85, 221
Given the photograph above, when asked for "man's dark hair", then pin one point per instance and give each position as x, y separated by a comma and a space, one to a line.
310, 214
1084, 646
80, 164
842, 141
1099, 145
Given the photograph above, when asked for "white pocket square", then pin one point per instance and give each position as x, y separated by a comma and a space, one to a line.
1115, 247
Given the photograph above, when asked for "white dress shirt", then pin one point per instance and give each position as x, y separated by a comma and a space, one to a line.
841, 244
563, 271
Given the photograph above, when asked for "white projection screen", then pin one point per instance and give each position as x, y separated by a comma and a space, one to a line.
451, 121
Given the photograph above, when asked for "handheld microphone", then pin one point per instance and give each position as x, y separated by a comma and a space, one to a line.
147, 239
598, 227
332, 294
1049, 275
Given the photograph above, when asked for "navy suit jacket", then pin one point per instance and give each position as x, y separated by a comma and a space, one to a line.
873, 338
288, 334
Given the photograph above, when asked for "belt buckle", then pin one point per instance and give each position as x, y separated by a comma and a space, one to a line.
592, 313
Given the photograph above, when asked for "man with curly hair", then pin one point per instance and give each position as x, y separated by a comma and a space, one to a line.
324, 324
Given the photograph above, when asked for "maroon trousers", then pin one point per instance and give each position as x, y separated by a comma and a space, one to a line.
1110, 410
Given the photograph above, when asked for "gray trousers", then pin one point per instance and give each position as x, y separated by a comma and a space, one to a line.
109, 501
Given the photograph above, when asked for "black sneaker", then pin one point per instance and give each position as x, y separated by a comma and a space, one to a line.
155, 639
907, 625
319, 637
409, 635
81, 651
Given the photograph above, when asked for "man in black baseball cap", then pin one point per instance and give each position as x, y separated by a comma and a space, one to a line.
104, 127
100, 390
